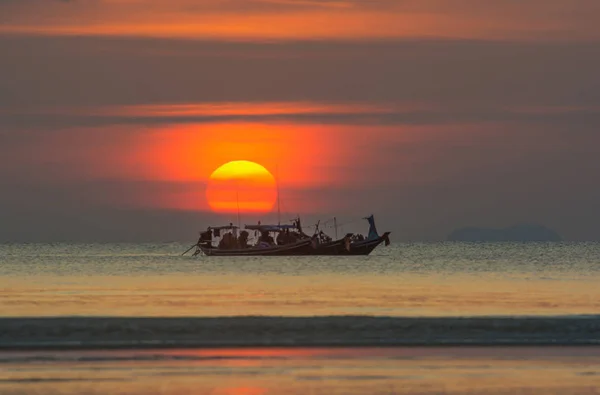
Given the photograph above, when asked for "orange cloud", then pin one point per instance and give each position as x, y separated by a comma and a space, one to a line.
282, 20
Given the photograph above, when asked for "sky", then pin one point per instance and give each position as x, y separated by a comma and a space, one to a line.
431, 114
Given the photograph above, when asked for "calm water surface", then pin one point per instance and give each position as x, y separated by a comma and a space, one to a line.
401, 280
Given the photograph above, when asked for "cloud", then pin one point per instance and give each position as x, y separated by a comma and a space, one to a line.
296, 19
100, 72
392, 115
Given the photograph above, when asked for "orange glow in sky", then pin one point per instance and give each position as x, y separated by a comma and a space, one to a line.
241, 185
183, 153
189, 153
259, 20
172, 164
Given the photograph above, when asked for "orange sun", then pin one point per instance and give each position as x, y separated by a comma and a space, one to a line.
242, 185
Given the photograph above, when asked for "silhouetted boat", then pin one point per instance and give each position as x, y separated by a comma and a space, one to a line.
365, 247
291, 241
351, 245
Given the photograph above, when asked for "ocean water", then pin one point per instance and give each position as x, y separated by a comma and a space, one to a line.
416, 280
410, 318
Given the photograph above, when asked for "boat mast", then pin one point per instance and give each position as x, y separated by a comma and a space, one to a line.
335, 225
237, 197
278, 198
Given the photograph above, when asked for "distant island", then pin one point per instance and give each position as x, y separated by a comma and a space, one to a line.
520, 233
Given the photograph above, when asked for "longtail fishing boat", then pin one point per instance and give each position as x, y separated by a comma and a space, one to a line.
284, 240
289, 240
352, 244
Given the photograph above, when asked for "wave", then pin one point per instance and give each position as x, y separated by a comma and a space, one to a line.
151, 332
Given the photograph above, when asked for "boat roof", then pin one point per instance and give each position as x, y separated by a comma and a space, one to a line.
270, 228
223, 227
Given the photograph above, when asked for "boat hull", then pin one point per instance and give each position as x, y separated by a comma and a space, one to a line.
301, 248
333, 248
338, 247
365, 247
304, 248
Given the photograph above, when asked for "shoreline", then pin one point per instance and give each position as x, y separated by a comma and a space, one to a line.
79, 333
203, 346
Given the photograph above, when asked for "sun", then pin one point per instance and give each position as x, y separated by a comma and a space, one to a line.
241, 185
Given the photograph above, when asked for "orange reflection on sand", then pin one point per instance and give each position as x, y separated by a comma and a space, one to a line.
239, 391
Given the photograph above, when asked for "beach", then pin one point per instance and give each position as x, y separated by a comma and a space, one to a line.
410, 319
253, 371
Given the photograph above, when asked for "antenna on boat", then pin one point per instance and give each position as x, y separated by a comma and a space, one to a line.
278, 198
237, 198
317, 226
335, 225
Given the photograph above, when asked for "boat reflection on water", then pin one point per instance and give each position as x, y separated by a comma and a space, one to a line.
284, 240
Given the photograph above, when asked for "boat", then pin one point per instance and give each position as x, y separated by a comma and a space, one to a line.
352, 244
365, 247
289, 240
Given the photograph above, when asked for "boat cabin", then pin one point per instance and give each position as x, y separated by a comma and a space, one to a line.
231, 238
227, 236
271, 235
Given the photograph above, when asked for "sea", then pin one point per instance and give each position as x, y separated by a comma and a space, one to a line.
418, 318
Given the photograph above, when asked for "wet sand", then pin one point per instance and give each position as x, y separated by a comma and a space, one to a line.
252, 371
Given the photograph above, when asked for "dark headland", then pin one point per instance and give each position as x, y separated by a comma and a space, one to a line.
522, 233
